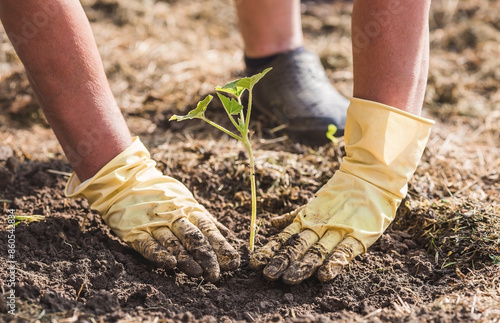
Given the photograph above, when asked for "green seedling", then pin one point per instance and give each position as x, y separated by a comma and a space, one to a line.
230, 95
28, 218
330, 134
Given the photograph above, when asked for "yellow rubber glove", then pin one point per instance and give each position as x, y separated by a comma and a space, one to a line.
351, 211
156, 215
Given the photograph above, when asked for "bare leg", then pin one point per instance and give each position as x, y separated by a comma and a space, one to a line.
55, 43
269, 26
391, 52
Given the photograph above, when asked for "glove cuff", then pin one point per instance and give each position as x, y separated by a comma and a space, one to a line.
132, 196
383, 144
131, 163
137, 148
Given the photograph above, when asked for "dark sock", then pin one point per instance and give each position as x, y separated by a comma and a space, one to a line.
260, 62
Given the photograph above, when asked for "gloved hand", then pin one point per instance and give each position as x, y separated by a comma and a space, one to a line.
383, 147
156, 215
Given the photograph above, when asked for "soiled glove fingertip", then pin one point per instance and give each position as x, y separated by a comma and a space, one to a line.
167, 261
258, 261
291, 278
270, 275
212, 276
328, 272
231, 265
154, 252
207, 259
211, 270
299, 272
228, 258
275, 268
190, 267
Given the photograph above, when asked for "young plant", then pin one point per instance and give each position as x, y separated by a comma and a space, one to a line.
29, 218
230, 95
330, 134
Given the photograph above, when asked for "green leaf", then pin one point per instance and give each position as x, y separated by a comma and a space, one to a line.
231, 89
237, 87
199, 112
230, 104
256, 78
332, 129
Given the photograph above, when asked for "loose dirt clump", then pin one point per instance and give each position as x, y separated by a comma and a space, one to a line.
438, 261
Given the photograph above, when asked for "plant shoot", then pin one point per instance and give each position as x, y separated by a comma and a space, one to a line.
230, 95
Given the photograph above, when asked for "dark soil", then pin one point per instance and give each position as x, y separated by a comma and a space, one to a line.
63, 267
437, 262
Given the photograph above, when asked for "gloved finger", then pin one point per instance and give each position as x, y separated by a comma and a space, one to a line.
150, 249
306, 266
227, 256
185, 261
260, 258
221, 227
293, 249
280, 222
344, 253
198, 246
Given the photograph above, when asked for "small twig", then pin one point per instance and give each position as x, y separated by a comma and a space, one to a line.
53, 171
264, 142
201, 282
42, 313
250, 317
65, 241
278, 128
84, 222
466, 187
81, 288
376, 312
473, 304
73, 318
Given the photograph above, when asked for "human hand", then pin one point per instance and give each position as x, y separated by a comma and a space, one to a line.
157, 215
348, 214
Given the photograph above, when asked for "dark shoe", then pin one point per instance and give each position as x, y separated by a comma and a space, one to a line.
297, 92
